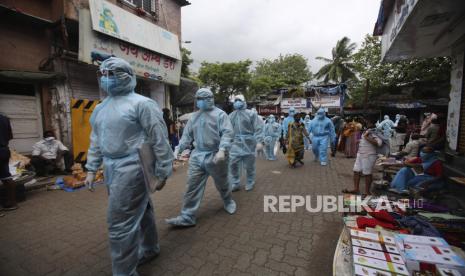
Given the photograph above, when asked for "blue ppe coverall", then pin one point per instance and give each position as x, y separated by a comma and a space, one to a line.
211, 130
288, 120
322, 129
120, 125
272, 133
248, 130
307, 122
386, 126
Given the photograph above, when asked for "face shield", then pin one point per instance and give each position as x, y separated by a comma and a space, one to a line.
116, 77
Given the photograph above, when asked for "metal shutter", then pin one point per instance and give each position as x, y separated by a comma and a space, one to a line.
25, 118
82, 79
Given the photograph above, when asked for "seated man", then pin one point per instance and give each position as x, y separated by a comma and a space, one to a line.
412, 148
407, 177
47, 154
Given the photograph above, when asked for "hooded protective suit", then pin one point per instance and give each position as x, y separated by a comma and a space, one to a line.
212, 132
272, 132
288, 120
248, 131
322, 129
307, 122
386, 126
120, 125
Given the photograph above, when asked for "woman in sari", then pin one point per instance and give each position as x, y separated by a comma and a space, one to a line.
351, 136
295, 138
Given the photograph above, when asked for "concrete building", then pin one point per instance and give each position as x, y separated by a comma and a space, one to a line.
425, 29
47, 77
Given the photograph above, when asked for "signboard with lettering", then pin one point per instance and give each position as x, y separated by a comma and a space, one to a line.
296, 103
112, 20
326, 102
146, 63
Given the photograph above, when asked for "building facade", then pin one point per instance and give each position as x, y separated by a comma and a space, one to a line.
426, 29
47, 77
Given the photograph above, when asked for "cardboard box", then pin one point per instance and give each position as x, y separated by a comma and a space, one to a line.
388, 257
381, 265
417, 250
422, 240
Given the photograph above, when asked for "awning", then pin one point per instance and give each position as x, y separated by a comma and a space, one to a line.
420, 29
29, 76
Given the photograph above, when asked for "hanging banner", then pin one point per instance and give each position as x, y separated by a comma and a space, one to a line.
296, 103
112, 20
146, 63
326, 102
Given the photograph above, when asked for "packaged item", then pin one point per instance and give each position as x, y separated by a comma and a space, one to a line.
388, 257
444, 271
361, 270
372, 236
375, 245
381, 265
422, 240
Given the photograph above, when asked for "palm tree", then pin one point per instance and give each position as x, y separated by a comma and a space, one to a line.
340, 67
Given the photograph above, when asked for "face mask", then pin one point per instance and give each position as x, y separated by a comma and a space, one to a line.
49, 139
238, 105
291, 113
425, 155
320, 115
108, 84
201, 104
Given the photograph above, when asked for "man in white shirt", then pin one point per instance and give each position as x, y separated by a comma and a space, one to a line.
366, 158
47, 155
412, 147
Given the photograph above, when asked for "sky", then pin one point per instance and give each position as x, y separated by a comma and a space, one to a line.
233, 30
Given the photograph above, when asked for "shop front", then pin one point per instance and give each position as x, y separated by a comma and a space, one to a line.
105, 28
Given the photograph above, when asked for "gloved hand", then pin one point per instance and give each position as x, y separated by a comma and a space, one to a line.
160, 184
90, 181
219, 156
259, 146
176, 152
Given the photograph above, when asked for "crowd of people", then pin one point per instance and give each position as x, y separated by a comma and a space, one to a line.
222, 146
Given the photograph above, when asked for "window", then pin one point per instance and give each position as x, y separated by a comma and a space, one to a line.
149, 6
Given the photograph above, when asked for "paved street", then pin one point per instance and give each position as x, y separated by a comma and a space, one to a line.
59, 233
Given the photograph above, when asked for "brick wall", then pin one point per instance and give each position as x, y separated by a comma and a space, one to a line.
23, 45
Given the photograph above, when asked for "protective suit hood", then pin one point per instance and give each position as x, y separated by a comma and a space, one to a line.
291, 112
205, 99
122, 79
239, 104
321, 114
386, 117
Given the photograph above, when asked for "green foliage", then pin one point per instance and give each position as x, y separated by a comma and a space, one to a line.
226, 79
387, 77
186, 61
339, 68
283, 72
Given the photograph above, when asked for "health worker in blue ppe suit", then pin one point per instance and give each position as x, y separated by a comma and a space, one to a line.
306, 122
288, 120
120, 125
248, 136
272, 133
386, 126
321, 129
211, 131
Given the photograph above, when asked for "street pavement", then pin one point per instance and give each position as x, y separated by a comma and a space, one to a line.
60, 233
